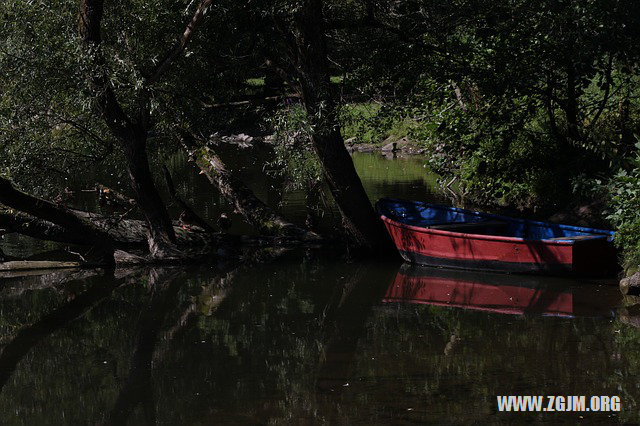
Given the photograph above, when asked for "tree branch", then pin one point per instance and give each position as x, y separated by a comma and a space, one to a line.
607, 90
125, 233
180, 45
187, 211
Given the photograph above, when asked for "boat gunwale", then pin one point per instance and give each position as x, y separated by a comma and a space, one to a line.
499, 238
381, 201
598, 234
468, 235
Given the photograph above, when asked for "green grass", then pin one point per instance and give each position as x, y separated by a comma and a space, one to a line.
259, 81
255, 82
369, 124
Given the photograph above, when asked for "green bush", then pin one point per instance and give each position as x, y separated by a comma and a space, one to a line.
294, 158
625, 211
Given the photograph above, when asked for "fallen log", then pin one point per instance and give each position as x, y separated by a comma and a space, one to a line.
110, 195
59, 215
130, 234
52, 212
124, 233
133, 231
22, 223
114, 236
26, 265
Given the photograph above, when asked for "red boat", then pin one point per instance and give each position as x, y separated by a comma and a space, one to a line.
499, 293
436, 235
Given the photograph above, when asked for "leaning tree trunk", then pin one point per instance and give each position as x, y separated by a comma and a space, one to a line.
262, 217
130, 134
359, 216
57, 215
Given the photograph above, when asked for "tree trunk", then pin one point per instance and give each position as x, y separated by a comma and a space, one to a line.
359, 217
571, 108
24, 224
161, 237
131, 136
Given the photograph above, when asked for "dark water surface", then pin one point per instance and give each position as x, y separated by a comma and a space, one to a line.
305, 337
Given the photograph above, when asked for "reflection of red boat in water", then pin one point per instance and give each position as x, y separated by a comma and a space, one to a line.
498, 293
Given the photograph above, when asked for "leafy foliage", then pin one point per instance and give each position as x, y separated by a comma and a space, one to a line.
294, 157
48, 123
517, 100
372, 123
625, 210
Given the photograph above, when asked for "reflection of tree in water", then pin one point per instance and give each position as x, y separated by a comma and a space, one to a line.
29, 377
138, 388
128, 337
20, 344
279, 342
496, 355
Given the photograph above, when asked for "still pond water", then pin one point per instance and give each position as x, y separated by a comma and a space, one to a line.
305, 337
